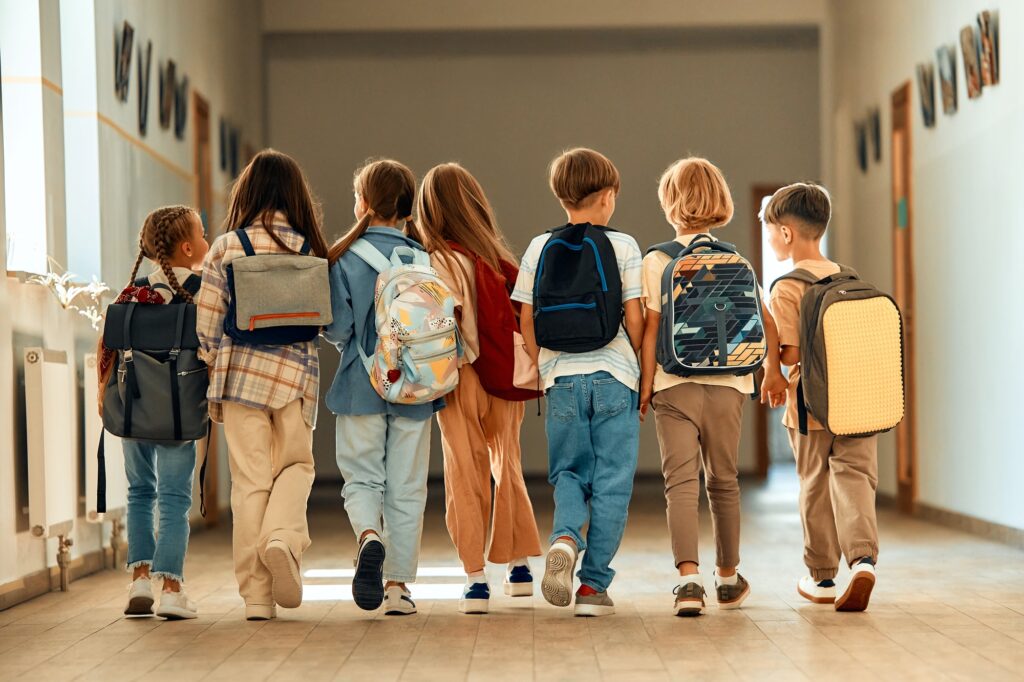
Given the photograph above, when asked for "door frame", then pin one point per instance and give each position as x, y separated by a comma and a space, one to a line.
902, 200
762, 452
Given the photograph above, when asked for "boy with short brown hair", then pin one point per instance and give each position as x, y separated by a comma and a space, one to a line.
838, 474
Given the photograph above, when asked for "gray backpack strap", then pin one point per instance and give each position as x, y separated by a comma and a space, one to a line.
800, 275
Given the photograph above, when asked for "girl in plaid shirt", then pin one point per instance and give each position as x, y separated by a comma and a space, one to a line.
266, 396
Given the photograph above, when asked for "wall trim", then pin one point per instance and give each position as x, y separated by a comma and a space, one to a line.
48, 579
1008, 535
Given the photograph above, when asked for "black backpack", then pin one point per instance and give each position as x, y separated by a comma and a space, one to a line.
577, 291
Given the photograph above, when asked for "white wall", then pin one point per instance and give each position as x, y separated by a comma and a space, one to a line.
504, 103
968, 209
218, 45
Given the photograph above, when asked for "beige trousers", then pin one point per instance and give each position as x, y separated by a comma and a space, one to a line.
270, 453
838, 478
700, 425
480, 438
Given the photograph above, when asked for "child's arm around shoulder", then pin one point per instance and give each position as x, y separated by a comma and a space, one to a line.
632, 295
342, 325
785, 306
212, 302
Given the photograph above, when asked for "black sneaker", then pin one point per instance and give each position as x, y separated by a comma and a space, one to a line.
689, 599
368, 583
732, 596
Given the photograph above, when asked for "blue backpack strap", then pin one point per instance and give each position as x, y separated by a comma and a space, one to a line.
246, 244
305, 247
369, 254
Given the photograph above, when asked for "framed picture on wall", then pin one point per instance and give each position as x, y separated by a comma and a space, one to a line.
168, 78
947, 77
181, 108
875, 131
145, 59
860, 132
969, 45
926, 88
988, 36
123, 60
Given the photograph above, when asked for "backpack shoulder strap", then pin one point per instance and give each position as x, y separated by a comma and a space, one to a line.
370, 255
671, 249
305, 247
193, 284
246, 243
799, 275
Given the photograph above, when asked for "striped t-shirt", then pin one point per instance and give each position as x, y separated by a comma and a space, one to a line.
617, 358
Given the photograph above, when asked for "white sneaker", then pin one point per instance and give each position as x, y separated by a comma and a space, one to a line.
858, 592
813, 591
558, 569
140, 598
398, 602
284, 569
519, 580
176, 606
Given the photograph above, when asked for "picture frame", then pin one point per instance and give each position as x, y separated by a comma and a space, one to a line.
875, 132
145, 61
926, 90
181, 108
167, 92
860, 132
123, 42
970, 47
988, 39
946, 56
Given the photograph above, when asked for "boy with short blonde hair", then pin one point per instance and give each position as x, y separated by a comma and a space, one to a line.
838, 474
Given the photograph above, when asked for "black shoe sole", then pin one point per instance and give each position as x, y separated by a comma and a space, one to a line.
368, 583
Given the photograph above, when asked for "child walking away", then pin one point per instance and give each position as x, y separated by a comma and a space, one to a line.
383, 445
480, 426
159, 463
580, 289
706, 333
265, 370
837, 399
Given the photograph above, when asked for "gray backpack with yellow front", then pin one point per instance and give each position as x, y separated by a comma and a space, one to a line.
851, 355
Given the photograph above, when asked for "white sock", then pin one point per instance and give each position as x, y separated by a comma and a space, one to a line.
519, 562
477, 577
731, 580
692, 578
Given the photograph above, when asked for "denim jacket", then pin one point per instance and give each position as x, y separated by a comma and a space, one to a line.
353, 283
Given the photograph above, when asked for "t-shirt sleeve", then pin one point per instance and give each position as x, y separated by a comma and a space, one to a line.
785, 306
523, 291
653, 269
632, 272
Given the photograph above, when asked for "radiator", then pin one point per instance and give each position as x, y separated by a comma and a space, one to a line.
117, 484
50, 422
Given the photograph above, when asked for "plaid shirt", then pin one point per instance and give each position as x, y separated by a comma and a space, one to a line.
255, 376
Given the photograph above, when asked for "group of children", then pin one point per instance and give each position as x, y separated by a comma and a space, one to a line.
595, 357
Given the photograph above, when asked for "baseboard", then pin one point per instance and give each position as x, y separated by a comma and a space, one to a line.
48, 579
987, 529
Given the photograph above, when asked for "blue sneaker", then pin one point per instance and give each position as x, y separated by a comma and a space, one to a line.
519, 582
476, 598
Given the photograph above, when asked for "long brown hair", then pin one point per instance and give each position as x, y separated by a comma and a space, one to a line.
271, 183
388, 188
452, 206
162, 232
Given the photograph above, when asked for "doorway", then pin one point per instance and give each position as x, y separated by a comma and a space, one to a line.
903, 290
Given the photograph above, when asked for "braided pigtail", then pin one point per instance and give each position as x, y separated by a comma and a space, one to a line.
164, 230
138, 262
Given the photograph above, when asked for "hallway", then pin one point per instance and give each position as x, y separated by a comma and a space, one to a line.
948, 606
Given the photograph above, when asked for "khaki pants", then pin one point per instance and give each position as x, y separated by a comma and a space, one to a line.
270, 453
700, 424
480, 437
838, 478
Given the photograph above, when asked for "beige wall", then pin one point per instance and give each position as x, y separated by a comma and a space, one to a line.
968, 210
504, 103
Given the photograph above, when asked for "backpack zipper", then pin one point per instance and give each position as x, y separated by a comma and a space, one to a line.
427, 337
191, 371
567, 306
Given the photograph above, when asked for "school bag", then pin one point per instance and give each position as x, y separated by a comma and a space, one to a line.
577, 291
416, 357
276, 298
711, 320
851, 355
503, 365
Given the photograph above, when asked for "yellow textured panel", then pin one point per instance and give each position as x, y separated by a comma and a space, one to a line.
865, 372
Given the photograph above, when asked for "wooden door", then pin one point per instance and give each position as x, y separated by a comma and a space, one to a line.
903, 289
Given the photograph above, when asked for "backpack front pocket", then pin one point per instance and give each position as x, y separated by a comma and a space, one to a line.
580, 320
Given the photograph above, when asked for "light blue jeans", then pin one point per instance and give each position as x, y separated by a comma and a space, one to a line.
593, 432
384, 461
160, 474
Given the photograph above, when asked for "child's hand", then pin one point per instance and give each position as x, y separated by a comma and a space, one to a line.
645, 401
773, 387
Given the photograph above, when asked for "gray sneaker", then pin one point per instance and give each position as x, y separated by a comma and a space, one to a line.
732, 596
597, 604
689, 599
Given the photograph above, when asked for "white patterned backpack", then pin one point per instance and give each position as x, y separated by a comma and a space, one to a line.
416, 359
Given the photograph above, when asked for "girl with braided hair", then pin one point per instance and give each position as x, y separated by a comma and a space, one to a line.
174, 239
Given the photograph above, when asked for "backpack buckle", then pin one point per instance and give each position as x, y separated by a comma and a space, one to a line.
175, 352
128, 357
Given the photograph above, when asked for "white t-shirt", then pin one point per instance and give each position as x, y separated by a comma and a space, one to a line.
617, 358
158, 280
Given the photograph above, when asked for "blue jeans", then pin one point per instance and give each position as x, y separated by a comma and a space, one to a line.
384, 460
593, 432
161, 474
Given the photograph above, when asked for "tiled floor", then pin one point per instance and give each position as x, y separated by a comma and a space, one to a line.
948, 606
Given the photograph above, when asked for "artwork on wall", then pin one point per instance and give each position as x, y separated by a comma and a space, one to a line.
167, 81
970, 46
223, 127
145, 59
988, 39
123, 60
875, 129
181, 108
947, 77
860, 131
230, 147
926, 88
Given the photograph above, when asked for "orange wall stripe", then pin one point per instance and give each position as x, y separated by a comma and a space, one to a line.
160, 158
34, 80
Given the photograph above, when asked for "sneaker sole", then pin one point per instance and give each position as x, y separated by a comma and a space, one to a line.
592, 610
474, 606
174, 613
557, 583
287, 584
735, 603
689, 609
519, 589
815, 600
368, 582
139, 607
399, 612
858, 593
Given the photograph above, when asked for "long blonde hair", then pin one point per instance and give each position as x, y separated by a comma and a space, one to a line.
388, 188
162, 232
452, 207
